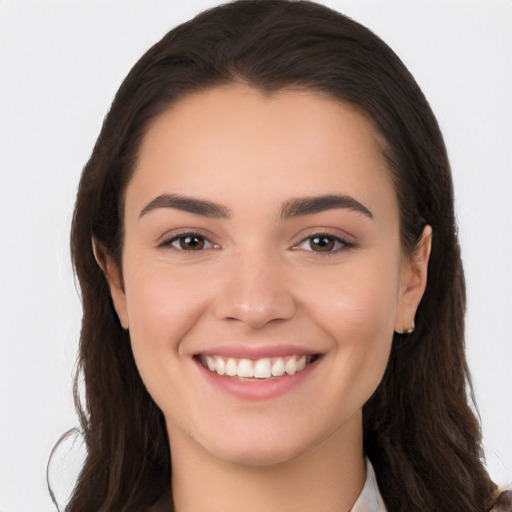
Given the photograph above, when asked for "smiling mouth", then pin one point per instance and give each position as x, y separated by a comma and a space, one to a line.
256, 369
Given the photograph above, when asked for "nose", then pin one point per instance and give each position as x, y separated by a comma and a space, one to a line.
256, 292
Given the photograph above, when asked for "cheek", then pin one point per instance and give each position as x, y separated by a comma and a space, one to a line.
358, 312
158, 299
361, 301
368, 308
161, 310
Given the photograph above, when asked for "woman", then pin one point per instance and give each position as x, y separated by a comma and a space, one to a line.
252, 235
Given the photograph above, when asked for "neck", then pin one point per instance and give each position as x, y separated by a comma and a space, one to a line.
328, 477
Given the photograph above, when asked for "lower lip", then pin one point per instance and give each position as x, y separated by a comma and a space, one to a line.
264, 389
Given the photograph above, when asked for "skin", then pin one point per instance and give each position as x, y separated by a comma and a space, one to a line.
260, 280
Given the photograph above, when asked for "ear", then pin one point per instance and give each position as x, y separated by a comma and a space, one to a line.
413, 280
114, 279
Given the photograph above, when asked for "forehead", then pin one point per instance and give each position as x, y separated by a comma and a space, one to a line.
288, 143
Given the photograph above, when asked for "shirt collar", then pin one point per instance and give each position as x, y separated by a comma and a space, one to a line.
370, 499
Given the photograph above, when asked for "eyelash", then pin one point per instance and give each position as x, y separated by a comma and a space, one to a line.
168, 243
338, 243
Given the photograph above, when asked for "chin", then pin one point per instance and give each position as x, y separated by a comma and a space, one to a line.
257, 455
261, 445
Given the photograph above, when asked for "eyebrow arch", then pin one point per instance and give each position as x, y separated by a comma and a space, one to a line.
309, 205
188, 204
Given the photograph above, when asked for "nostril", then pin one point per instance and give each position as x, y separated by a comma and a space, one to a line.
253, 312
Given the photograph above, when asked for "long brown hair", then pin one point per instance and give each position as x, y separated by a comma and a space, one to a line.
419, 431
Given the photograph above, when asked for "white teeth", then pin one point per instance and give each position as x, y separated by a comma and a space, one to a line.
291, 366
301, 363
245, 368
278, 368
231, 367
220, 366
262, 369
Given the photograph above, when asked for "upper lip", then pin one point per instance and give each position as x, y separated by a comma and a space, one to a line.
257, 351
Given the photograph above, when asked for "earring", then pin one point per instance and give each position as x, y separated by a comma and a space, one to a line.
406, 332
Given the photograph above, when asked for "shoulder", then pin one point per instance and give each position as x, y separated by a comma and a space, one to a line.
503, 503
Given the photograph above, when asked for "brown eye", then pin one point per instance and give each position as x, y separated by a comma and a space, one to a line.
191, 242
188, 242
324, 243
321, 243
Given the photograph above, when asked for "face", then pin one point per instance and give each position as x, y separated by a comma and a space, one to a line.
262, 271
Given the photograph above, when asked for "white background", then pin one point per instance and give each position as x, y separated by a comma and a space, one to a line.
60, 65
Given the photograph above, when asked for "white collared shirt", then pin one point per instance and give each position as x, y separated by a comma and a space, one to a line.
370, 499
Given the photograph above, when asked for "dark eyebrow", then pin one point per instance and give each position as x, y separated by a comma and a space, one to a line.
188, 204
309, 205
